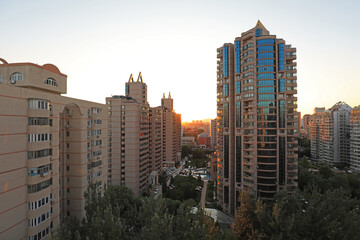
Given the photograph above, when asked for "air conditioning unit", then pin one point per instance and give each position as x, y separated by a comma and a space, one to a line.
44, 174
52, 201
67, 126
51, 158
12, 81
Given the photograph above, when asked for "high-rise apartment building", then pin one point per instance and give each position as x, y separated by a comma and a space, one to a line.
355, 139
330, 134
257, 116
52, 147
305, 123
171, 133
213, 132
129, 136
141, 138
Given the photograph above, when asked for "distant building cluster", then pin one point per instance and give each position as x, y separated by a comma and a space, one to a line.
53, 147
199, 133
335, 135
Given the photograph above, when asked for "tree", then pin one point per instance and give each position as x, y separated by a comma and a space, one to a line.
186, 150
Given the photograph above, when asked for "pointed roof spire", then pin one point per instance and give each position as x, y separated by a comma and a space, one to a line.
260, 24
169, 95
131, 79
163, 95
140, 77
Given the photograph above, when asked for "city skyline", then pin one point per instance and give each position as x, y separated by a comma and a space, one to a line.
173, 45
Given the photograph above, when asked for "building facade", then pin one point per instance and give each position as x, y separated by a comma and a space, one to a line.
52, 148
171, 133
257, 117
355, 139
330, 134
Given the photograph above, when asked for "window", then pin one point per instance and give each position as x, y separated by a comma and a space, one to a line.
266, 55
16, 77
41, 137
38, 104
226, 62
39, 153
40, 121
51, 81
40, 186
266, 83
237, 56
281, 57
1, 79
127, 89
265, 49
226, 90
281, 85
226, 114
265, 76
266, 97
238, 87
238, 114
265, 62
265, 69
258, 32
266, 90
265, 41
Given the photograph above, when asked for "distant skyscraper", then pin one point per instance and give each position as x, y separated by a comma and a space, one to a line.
329, 134
257, 116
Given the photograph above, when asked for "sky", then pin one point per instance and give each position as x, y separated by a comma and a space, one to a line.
98, 44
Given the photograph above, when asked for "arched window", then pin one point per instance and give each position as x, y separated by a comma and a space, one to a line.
1, 79
16, 77
51, 81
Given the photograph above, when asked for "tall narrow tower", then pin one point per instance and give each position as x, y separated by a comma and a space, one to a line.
257, 117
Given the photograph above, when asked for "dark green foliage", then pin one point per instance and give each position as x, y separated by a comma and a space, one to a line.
184, 188
118, 215
186, 150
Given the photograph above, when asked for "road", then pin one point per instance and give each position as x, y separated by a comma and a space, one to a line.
203, 193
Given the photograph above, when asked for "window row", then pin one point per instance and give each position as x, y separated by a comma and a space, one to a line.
95, 110
42, 170
265, 42
266, 103
248, 67
248, 88
96, 121
249, 45
248, 74
16, 77
96, 143
96, 132
265, 49
96, 153
40, 186
51, 81
226, 61
40, 153
266, 97
41, 234
37, 220
266, 55
250, 59
245, 54
38, 104
265, 62
39, 203
265, 76
248, 95
39, 137
266, 69
38, 121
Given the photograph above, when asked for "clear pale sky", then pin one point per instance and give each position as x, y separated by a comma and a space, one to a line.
98, 44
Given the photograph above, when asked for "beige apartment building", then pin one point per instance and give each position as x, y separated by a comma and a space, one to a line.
171, 133
355, 139
257, 117
52, 147
330, 134
141, 138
